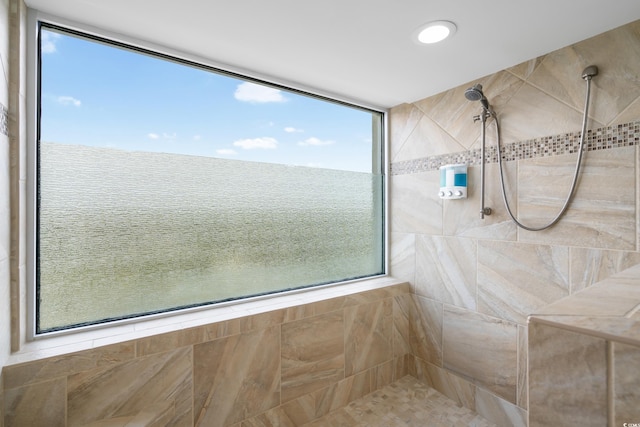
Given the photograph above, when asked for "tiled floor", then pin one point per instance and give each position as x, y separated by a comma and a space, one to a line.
405, 403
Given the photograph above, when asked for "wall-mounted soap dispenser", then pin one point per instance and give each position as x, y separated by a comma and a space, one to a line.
453, 181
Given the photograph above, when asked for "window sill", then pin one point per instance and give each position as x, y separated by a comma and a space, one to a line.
79, 340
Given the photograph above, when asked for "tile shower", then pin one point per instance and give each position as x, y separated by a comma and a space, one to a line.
459, 323
475, 281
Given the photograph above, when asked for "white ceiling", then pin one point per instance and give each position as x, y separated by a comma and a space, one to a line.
359, 50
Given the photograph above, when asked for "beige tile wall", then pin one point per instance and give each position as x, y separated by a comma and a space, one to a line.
481, 278
569, 378
283, 367
584, 355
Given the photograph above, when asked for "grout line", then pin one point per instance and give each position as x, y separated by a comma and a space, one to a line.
629, 314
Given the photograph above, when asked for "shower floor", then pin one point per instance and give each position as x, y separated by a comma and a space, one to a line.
404, 403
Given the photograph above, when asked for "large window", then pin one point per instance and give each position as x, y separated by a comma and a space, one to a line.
164, 184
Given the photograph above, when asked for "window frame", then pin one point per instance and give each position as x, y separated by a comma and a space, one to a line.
34, 20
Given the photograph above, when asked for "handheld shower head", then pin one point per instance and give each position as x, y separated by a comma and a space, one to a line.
474, 93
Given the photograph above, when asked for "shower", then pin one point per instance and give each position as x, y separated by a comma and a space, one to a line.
475, 93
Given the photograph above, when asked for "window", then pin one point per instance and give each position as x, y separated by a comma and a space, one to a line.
164, 184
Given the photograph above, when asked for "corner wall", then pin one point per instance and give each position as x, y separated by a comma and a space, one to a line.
475, 281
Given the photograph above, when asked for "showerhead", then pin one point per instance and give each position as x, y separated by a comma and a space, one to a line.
474, 93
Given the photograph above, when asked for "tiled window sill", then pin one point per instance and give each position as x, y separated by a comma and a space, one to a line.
56, 345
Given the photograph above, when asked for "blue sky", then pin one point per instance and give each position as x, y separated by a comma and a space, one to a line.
99, 95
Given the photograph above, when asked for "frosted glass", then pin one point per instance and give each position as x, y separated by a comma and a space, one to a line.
126, 233
165, 184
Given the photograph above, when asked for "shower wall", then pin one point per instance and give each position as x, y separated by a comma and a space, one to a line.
475, 281
279, 362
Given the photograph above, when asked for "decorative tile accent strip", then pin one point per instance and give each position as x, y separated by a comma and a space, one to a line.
4, 120
622, 135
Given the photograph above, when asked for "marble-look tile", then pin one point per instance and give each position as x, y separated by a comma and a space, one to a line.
525, 69
614, 88
42, 404
531, 113
156, 415
342, 393
368, 330
597, 217
262, 320
483, 349
53, 367
626, 383
455, 114
498, 411
458, 389
291, 414
428, 139
383, 374
402, 256
312, 354
404, 365
589, 266
629, 114
403, 120
515, 279
404, 310
446, 270
522, 392
415, 205
170, 341
375, 295
222, 329
606, 327
611, 297
425, 330
462, 217
236, 377
273, 418
129, 387
567, 378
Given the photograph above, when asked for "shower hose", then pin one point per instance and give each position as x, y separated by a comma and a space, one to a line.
575, 176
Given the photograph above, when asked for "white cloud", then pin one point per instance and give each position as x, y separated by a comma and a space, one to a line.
169, 135
48, 42
290, 129
153, 135
197, 137
69, 100
315, 142
251, 92
226, 152
266, 143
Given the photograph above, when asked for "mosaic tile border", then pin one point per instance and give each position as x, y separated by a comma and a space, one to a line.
4, 120
616, 136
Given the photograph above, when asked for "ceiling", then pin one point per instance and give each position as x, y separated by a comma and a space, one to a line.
357, 50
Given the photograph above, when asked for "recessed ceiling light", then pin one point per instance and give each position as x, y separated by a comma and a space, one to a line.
435, 31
